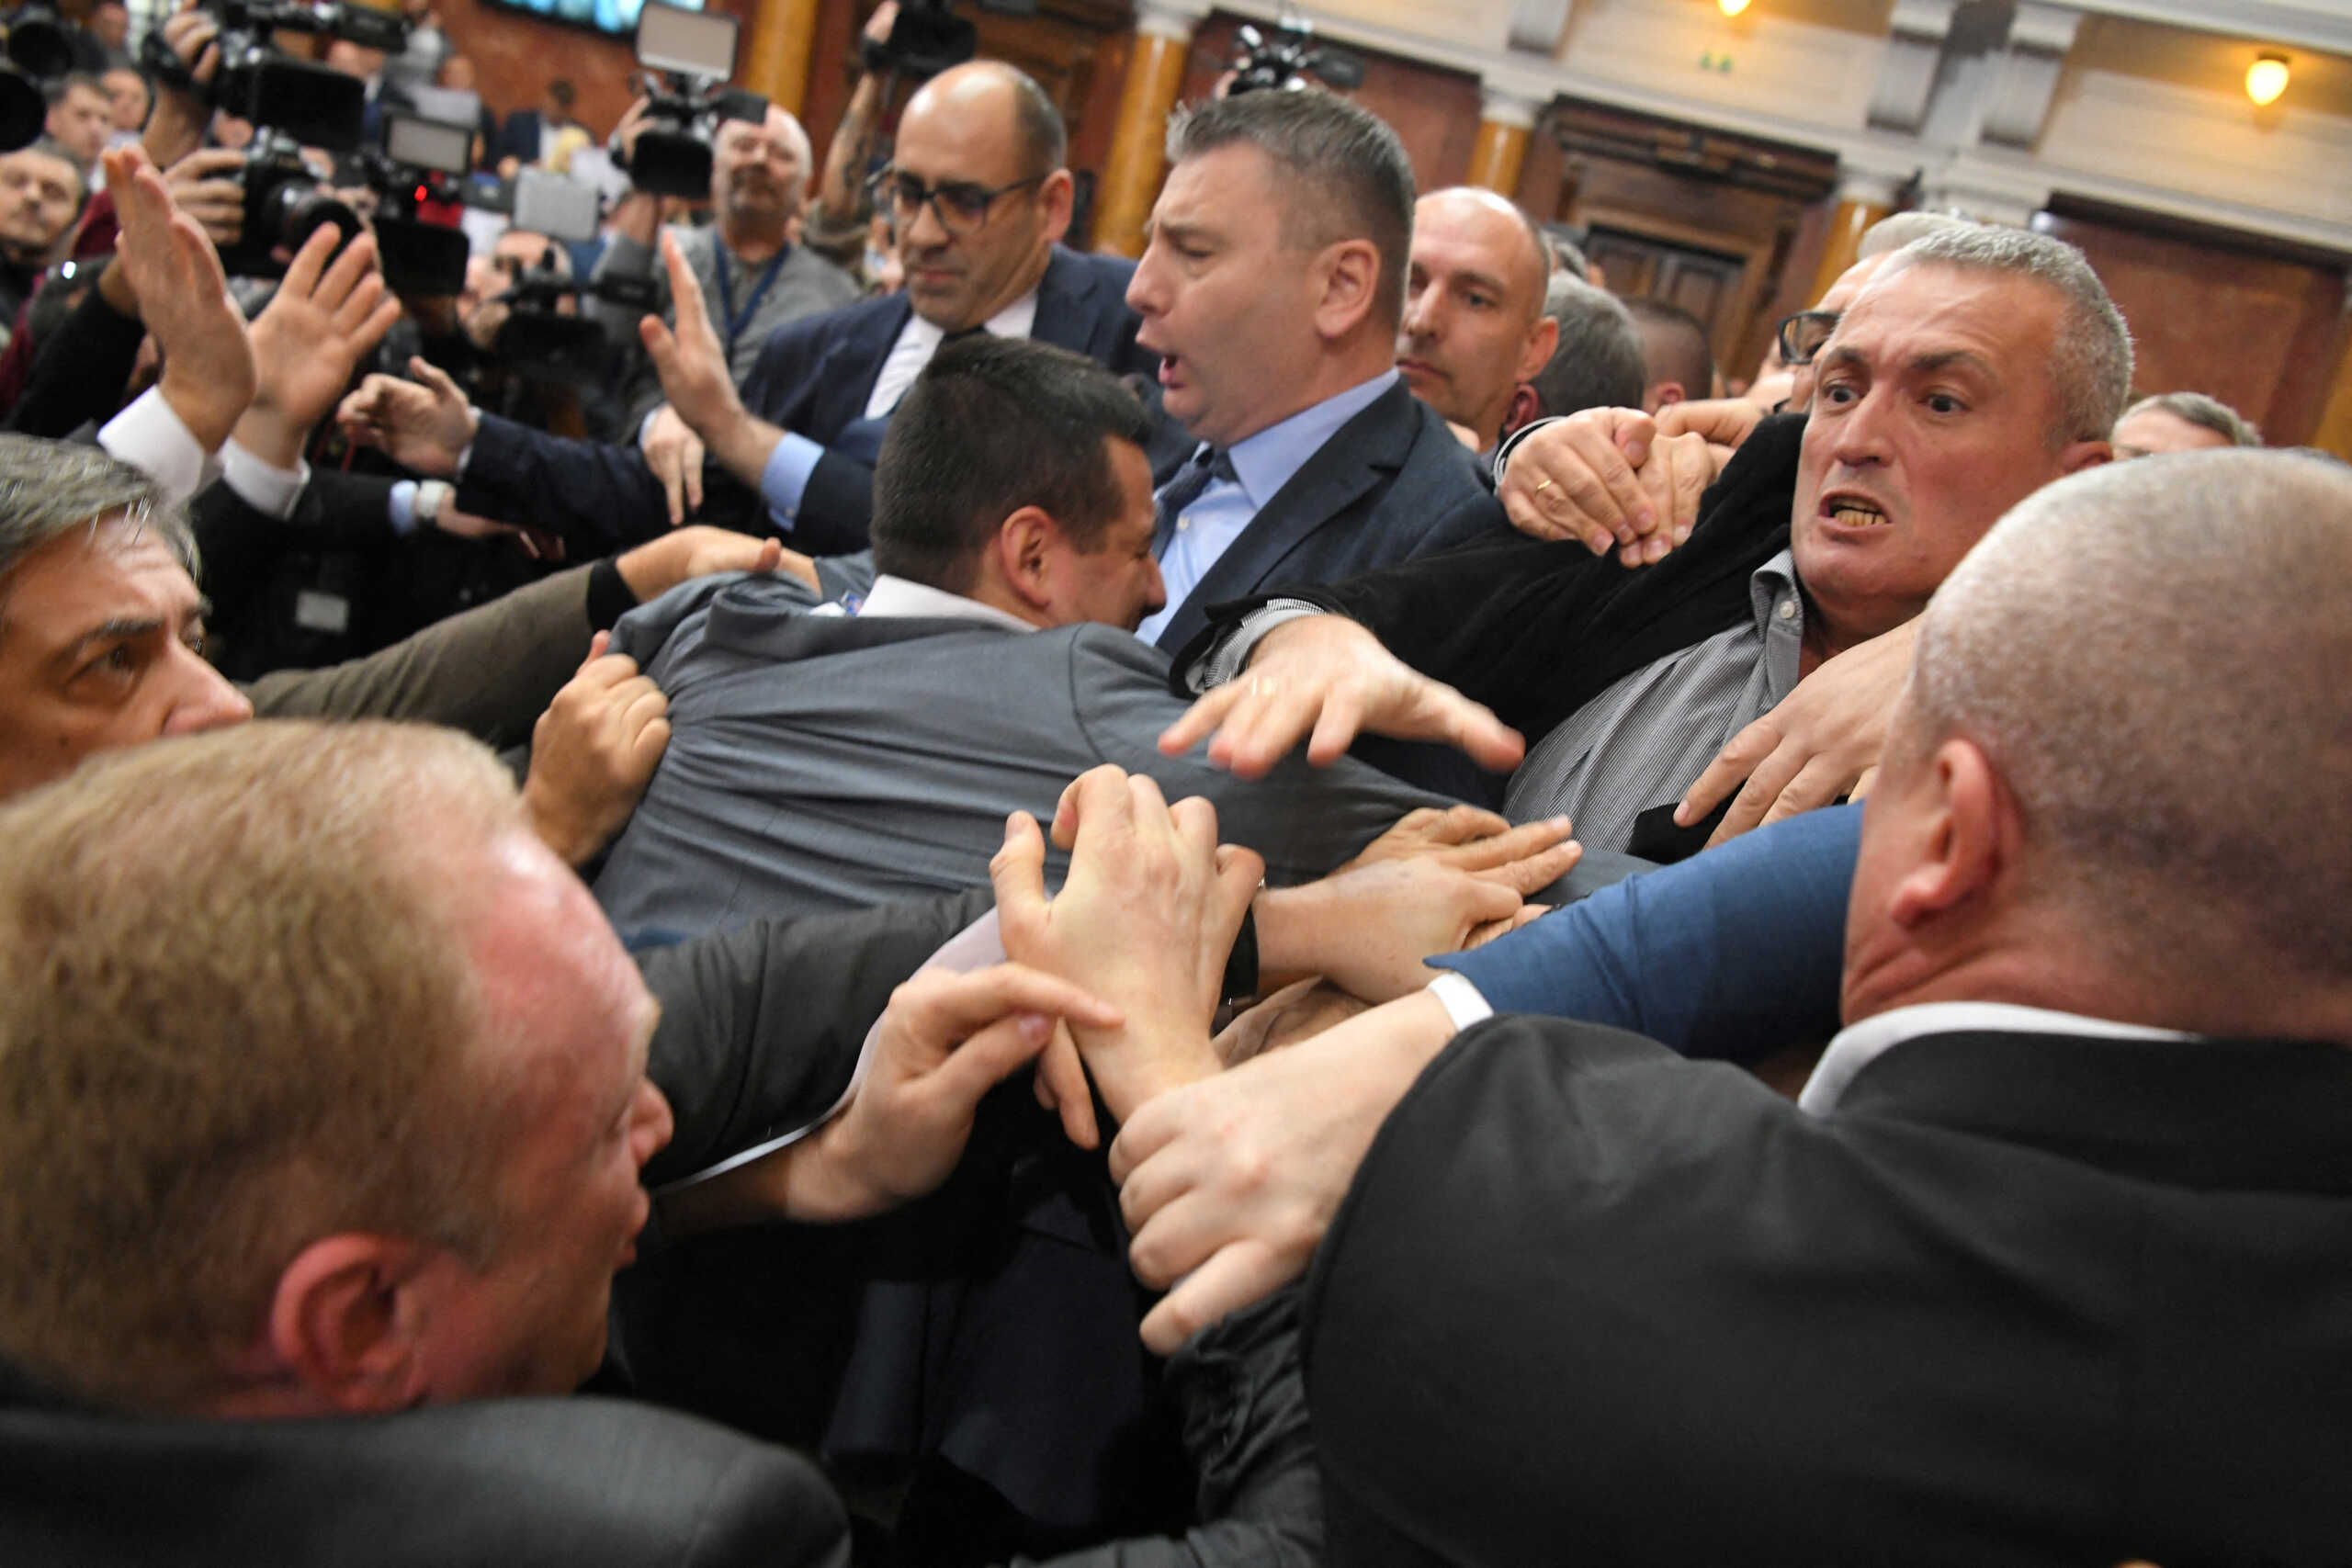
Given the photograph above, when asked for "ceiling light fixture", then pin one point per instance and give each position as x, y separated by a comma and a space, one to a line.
1732, 8
2265, 78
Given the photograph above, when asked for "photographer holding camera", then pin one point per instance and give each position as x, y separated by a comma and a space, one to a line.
753, 277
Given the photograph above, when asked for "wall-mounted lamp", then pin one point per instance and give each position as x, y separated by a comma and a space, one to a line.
2265, 78
1732, 8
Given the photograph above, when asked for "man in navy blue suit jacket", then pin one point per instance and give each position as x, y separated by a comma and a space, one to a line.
982, 202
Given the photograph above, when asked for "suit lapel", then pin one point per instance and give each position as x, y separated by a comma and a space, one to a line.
1067, 310
1356, 458
853, 362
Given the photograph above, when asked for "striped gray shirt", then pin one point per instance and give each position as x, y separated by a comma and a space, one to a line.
1646, 739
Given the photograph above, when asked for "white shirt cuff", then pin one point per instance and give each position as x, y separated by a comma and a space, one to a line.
1460, 999
151, 437
264, 487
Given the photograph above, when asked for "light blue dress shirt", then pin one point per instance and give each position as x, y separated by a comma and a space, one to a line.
1264, 463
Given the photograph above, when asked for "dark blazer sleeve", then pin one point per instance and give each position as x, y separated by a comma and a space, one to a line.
490, 672
1732, 953
1534, 629
78, 375
761, 1026
589, 490
1242, 1404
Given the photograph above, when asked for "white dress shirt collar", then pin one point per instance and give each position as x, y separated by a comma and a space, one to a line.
1856, 1047
919, 340
893, 597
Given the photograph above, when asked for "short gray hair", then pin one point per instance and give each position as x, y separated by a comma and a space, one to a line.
2206, 413
2153, 657
50, 489
1343, 172
2090, 364
1893, 233
1599, 362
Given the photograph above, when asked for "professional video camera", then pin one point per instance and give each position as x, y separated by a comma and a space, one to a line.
285, 201
317, 106
688, 54
1290, 59
539, 341
420, 164
929, 37
38, 50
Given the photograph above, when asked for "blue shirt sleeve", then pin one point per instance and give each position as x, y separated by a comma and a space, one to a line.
1731, 953
784, 481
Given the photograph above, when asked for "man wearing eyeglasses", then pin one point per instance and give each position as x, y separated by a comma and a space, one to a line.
981, 200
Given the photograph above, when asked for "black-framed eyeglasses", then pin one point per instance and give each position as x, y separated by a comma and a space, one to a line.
959, 205
1803, 334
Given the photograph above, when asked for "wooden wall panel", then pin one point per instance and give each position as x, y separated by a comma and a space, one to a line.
1078, 52
2259, 328
1435, 111
516, 55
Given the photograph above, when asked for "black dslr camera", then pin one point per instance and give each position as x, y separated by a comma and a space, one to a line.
292, 104
539, 342
929, 37
38, 50
686, 55
315, 104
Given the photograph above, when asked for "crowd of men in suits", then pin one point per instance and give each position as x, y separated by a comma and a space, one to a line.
1218, 911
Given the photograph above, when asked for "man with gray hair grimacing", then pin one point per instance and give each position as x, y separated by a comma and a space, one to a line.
2043, 1267
1975, 366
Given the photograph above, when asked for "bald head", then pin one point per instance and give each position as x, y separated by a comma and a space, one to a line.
1515, 247
2151, 658
1475, 326
1005, 96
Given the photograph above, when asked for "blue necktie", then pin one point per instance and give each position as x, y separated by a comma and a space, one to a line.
1201, 470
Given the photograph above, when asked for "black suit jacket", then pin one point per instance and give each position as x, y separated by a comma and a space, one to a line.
2017, 1299
1390, 485
813, 378
1535, 628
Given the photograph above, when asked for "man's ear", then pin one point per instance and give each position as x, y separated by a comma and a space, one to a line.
2076, 456
1542, 341
1057, 194
1968, 838
1350, 276
1670, 392
346, 1322
1027, 557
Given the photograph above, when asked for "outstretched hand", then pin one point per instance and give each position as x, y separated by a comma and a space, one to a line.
593, 752
1229, 1184
1820, 743
424, 423
1324, 679
689, 357
310, 338
1146, 919
208, 371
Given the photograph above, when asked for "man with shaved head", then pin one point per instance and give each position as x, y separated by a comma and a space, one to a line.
2040, 1267
1475, 324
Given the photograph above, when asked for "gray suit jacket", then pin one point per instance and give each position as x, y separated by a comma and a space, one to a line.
827, 762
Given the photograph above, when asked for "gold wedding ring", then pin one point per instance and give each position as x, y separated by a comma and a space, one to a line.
1259, 686
1540, 488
